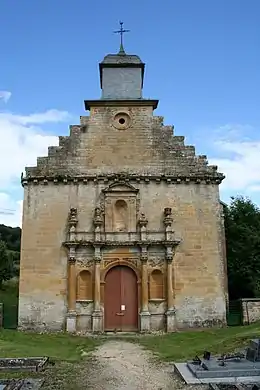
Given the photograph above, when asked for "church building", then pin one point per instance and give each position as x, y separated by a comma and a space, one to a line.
122, 222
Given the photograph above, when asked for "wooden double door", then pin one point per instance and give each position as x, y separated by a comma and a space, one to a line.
121, 300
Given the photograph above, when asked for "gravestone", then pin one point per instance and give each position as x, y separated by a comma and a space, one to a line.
237, 386
23, 364
231, 368
21, 384
35, 364
235, 365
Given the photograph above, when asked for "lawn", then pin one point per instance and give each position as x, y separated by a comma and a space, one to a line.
184, 345
60, 346
175, 347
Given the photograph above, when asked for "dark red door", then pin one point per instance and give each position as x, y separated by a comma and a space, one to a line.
121, 305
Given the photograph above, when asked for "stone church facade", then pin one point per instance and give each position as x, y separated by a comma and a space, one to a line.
122, 222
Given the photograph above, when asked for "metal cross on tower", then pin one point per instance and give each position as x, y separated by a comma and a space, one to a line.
121, 32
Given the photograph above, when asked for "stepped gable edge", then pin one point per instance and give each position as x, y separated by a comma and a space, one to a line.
178, 161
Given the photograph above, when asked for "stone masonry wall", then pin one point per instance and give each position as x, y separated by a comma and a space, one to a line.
250, 310
167, 173
43, 267
146, 147
198, 270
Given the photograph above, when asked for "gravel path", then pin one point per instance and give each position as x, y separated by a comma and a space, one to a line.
120, 365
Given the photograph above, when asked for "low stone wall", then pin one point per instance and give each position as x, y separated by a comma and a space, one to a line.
250, 310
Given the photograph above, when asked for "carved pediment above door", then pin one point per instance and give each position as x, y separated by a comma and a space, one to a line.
120, 186
121, 205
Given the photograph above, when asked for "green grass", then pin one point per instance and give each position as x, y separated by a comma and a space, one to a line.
176, 346
184, 345
59, 346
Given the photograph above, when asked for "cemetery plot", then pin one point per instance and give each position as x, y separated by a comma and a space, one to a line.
229, 368
238, 386
21, 384
23, 364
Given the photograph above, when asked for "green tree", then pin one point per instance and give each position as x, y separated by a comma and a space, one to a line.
6, 264
242, 226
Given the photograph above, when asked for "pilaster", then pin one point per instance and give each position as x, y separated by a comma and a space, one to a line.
71, 314
97, 315
170, 314
144, 314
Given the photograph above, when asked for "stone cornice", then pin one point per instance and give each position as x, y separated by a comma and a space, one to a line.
121, 103
139, 243
200, 178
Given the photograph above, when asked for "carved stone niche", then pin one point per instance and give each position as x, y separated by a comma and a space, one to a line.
121, 203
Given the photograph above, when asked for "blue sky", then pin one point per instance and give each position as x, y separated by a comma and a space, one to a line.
202, 62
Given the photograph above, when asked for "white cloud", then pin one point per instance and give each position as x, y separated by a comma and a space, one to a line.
21, 143
37, 118
237, 156
5, 96
10, 210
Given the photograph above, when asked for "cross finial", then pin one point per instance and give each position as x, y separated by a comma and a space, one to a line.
121, 32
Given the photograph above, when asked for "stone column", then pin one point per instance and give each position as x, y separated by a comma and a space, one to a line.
144, 314
71, 314
170, 314
97, 315
97, 285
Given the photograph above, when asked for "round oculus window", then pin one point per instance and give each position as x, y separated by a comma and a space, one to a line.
121, 121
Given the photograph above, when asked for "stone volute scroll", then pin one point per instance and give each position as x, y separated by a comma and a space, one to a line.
142, 222
168, 223
97, 222
72, 223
